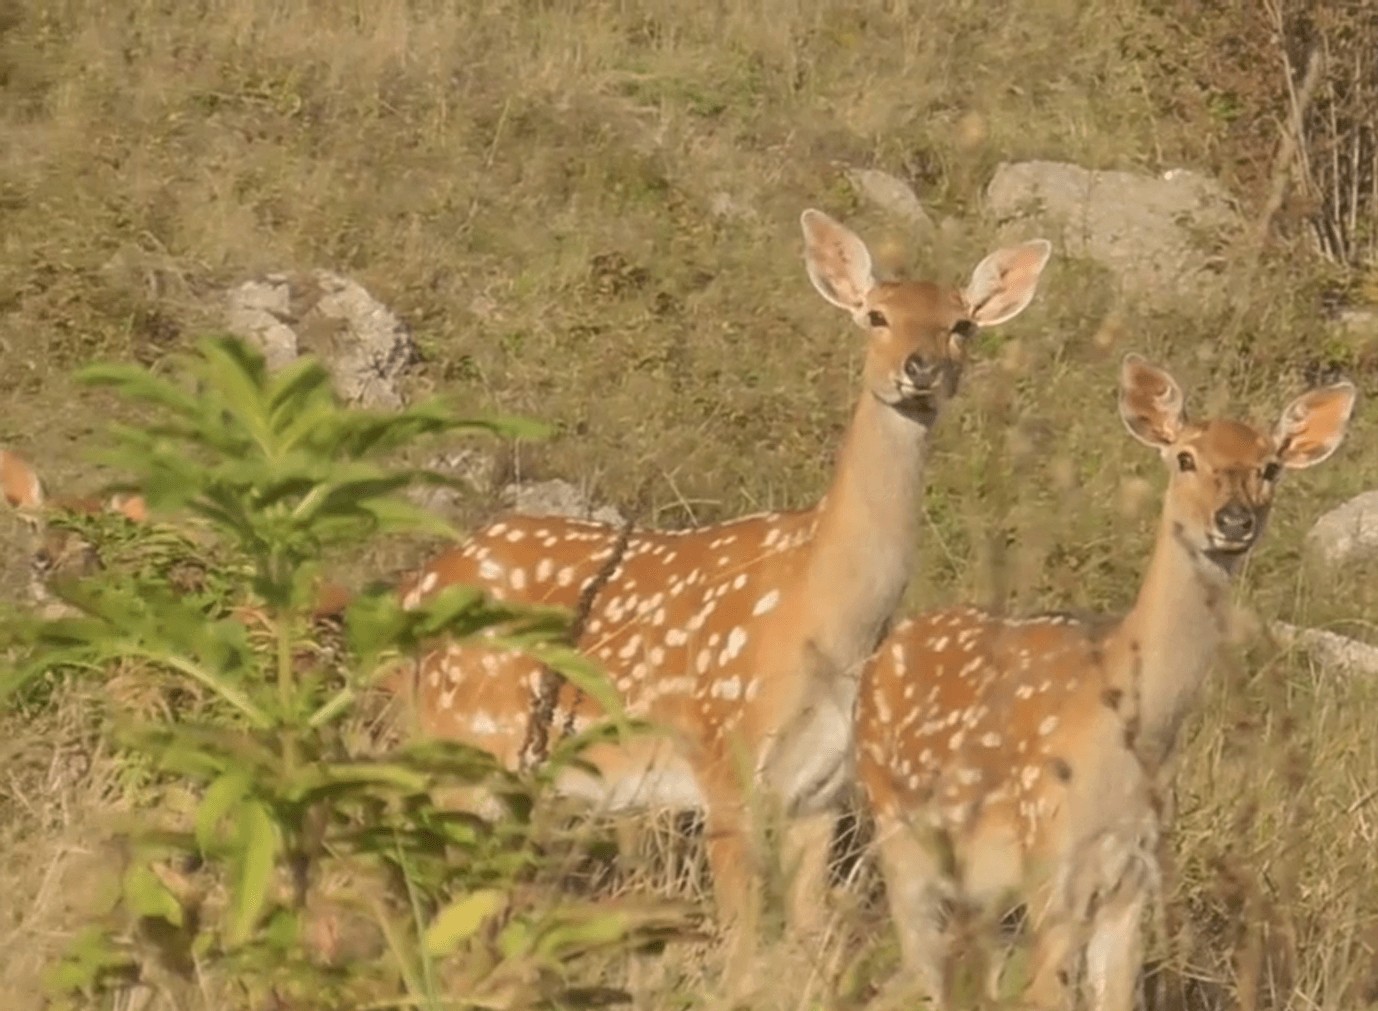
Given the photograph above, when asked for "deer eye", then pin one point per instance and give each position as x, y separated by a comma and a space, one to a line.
877, 318
1271, 471
1186, 462
963, 328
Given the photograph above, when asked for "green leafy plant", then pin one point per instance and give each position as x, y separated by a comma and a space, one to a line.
277, 473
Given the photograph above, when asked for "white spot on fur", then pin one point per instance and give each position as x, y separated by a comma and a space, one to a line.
728, 688
483, 724
766, 603
736, 640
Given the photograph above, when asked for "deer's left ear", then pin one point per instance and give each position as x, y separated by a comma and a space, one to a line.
1313, 426
18, 482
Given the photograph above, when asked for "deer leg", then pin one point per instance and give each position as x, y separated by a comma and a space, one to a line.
1052, 968
808, 845
1114, 953
914, 887
728, 843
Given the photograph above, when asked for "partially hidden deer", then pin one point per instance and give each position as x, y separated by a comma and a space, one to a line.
55, 551
58, 552
741, 640
1026, 759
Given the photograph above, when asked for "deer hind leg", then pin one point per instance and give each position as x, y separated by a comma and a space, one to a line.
915, 884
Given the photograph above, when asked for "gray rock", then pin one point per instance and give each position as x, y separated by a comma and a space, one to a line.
892, 195
473, 467
1163, 237
365, 346
724, 205
558, 498
1337, 653
1359, 322
1348, 533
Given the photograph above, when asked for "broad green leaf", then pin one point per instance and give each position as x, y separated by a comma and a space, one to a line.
282, 929
515, 939
220, 799
146, 895
460, 920
90, 955
258, 844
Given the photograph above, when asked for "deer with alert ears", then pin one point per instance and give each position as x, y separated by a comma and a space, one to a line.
741, 640
59, 552
55, 551
1028, 757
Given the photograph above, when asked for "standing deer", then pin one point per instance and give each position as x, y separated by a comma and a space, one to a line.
741, 640
1029, 756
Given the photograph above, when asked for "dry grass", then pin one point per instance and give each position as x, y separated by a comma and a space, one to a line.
587, 212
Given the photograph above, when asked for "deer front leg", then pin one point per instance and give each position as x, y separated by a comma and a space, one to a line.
1114, 952
1052, 968
729, 844
808, 843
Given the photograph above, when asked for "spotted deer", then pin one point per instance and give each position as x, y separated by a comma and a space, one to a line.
740, 641
55, 551
58, 552
1028, 757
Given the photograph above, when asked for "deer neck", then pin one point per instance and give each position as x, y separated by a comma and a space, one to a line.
865, 530
1161, 651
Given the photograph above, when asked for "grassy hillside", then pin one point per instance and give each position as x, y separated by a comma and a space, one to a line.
587, 212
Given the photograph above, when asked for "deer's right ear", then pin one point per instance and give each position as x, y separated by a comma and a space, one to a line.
18, 482
1151, 403
838, 262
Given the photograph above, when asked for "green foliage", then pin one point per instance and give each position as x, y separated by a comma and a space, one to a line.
277, 472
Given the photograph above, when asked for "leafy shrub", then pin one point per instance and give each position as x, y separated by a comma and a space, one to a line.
277, 474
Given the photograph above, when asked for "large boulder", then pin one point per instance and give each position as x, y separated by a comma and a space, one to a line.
1346, 534
559, 498
1162, 237
892, 195
365, 346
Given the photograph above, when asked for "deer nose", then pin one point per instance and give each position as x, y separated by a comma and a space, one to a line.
1235, 522
922, 373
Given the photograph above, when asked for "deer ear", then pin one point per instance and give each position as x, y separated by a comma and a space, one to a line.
838, 262
1313, 426
18, 482
1003, 284
1151, 403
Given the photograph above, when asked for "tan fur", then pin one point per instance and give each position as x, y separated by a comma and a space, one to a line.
1026, 759
740, 640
